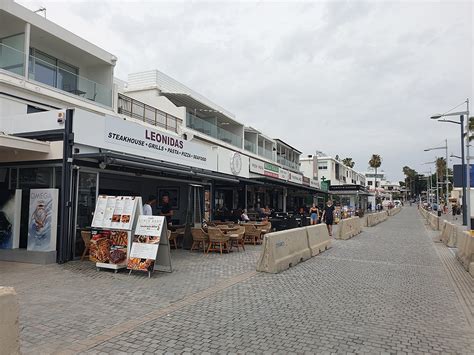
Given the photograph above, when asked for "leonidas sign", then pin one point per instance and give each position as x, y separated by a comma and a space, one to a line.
131, 137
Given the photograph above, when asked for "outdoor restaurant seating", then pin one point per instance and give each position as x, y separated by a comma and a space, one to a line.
252, 234
218, 241
265, 227
237, 238
200, 239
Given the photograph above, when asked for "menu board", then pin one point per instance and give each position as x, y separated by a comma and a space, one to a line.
115, 212
145, 244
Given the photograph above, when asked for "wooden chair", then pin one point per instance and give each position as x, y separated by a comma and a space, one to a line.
252, 234
265, 228
86, 237
218, 241
200, 239
172, 239
237, 238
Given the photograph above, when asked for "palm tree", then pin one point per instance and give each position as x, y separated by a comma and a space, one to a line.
375, 162
410, 175
441, 170
348, 162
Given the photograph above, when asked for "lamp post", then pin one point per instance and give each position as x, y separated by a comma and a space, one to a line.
437, 191
446, 176
466, 185
428, 186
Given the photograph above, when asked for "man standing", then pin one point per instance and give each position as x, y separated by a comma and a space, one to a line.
166, 208
328, 216
147, 207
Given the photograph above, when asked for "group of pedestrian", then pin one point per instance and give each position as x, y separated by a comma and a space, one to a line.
327, 215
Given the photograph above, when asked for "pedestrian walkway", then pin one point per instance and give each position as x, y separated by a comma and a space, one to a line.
386, 290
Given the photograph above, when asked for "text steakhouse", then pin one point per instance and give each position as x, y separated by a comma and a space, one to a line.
163, 143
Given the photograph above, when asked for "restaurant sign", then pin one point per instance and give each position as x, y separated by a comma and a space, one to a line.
257, 166
295, 178
271, 170
306, 181
314, 183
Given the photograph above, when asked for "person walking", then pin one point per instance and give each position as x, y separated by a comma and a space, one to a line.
328, 216
314, 214
148, 206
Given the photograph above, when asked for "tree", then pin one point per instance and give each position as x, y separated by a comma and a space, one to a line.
410, 179
348, 162
471, 128
375, 162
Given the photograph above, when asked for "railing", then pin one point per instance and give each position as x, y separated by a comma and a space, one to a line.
143, 112
212, 130
47, 73
250, 146
266, 153
288, 163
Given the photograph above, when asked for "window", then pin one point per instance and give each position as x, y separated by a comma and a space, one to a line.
53, 72
369, 183
323, 167
34, 109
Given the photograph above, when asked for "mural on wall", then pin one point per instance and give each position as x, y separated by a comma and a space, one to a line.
43, 220
10, 214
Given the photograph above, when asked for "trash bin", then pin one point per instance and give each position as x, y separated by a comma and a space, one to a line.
439, 213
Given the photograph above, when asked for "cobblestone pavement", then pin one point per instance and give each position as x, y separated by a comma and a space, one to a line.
384, 291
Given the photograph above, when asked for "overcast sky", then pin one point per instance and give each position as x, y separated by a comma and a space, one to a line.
345, 77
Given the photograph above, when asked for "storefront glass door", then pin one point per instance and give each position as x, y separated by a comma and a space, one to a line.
86, 194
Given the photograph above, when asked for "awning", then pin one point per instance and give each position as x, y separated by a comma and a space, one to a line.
288, 184
137, 162
8, 142
192, 104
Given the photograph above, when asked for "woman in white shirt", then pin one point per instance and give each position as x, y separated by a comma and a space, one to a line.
244, 217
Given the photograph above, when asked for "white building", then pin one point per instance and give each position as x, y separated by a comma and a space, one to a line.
66, 124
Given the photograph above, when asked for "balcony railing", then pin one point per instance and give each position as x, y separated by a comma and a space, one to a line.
266, 153
288, 163
13, 60
143, 112
250, 146
212, 130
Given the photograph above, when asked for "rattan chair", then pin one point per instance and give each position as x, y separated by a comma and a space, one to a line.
172, 239
265, 228
200, 239
237, 238
252, 234
86, 237
218, 241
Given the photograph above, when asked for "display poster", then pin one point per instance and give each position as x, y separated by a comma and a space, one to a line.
109, 246
145, 244
10, 214
109, 211
43, 220
119, 204
99, 213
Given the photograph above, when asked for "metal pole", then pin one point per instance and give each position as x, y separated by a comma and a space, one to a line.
437, 190
446, 177
463, 168
468, 170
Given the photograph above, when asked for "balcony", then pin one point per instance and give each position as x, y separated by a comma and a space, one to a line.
143, 112
213, 130
51, 72
250, 146
266, 153
289, 164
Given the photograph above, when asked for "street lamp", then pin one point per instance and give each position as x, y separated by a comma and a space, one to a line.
446, 177
428, 185
466, 168
437, 192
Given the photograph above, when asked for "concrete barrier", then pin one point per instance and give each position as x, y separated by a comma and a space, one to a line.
465, 252
318, 238
376, 218
449, 234
284, 249
471, 269
9, 328
348, 228
434, 221
394, 211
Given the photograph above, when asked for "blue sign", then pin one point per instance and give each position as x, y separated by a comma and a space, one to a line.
457, 172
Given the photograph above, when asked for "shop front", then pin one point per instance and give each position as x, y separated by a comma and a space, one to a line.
350, 198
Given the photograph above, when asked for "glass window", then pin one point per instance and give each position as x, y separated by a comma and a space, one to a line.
35, 178
44, 68
67, 77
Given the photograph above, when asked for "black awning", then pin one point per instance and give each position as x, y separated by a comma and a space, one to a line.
133, 161
289, 184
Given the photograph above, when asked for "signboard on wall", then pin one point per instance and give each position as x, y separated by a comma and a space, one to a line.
257, 166
43, 219
126, 136
296, 178
10, 215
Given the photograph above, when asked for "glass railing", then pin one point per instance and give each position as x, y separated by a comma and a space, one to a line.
212, 130
250, 146
12, 59
266, 153
60, 78
288, 163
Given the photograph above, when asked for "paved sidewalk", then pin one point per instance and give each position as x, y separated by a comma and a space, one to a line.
385, 290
